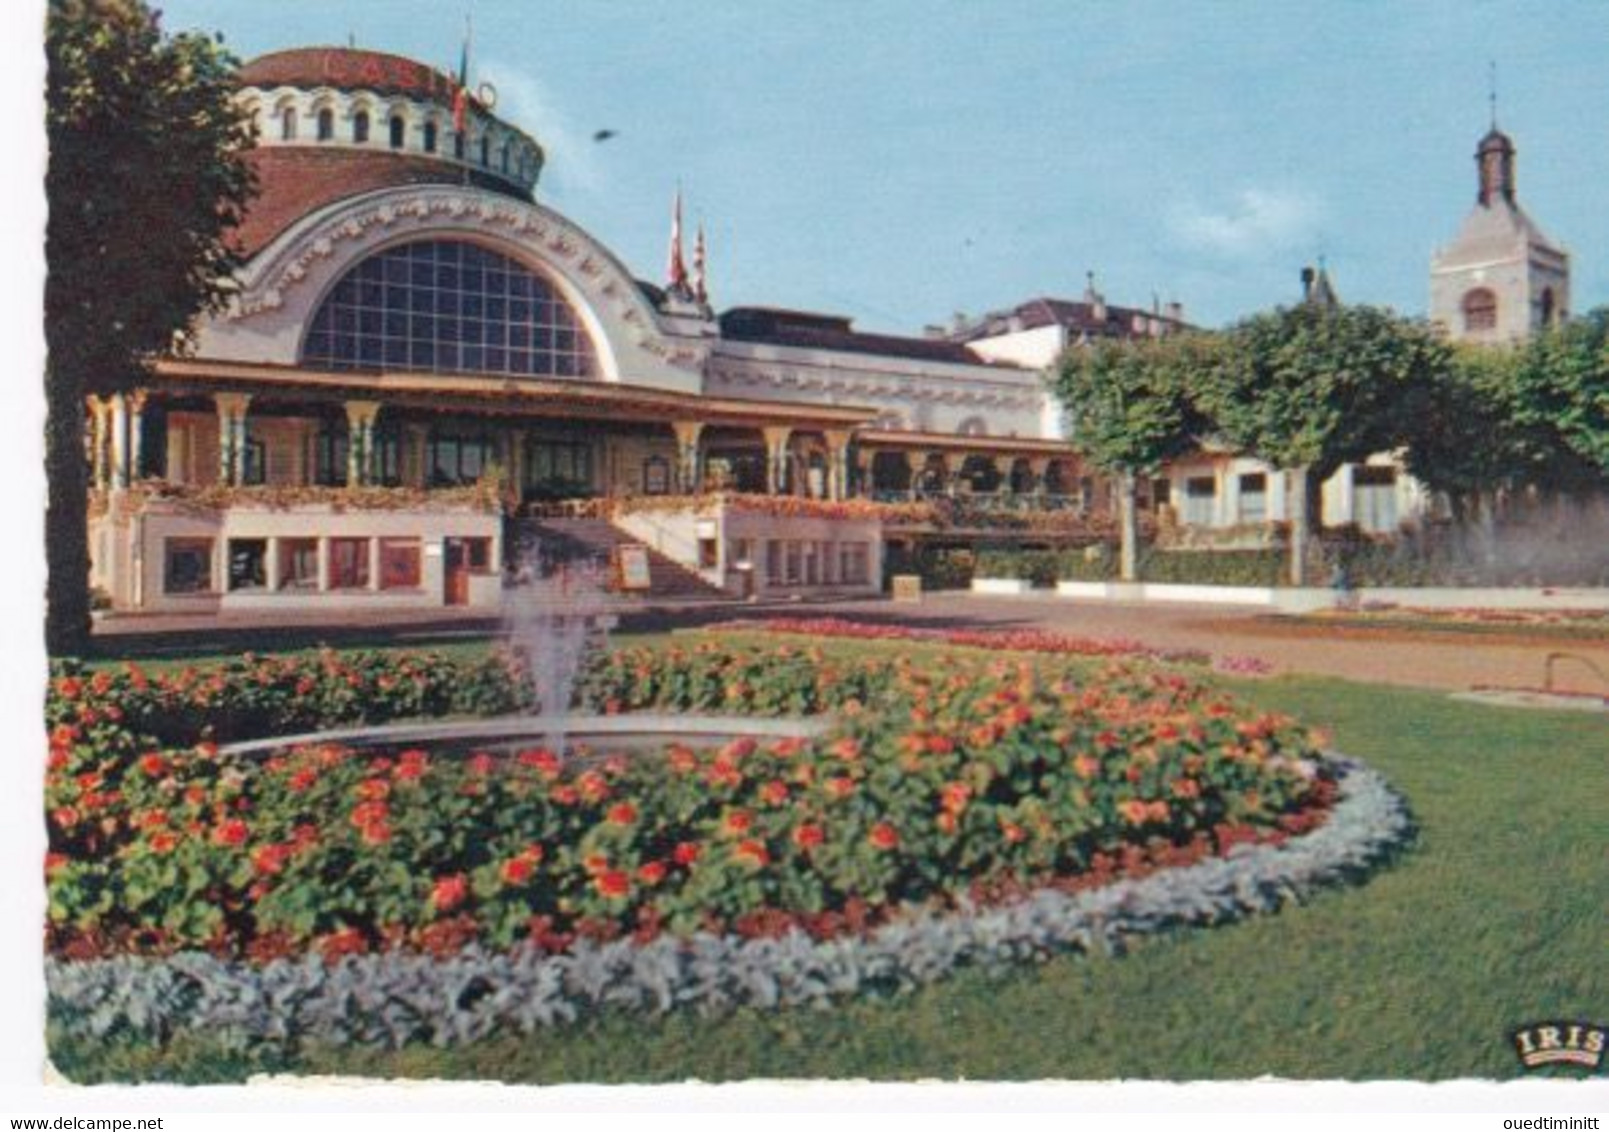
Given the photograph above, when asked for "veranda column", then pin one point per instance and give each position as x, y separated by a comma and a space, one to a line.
689, 481
415, 474
360, 441
136, 433
231, 436
837, 463
1039, 469
861, 461
776, 458
98, 438
1002, 474
119, 441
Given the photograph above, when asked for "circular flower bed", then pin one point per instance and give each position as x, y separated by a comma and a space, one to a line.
980, 790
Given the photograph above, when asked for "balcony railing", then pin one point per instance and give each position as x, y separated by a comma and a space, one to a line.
208, 499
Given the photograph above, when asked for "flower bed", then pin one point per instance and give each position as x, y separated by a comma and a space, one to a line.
974, 783
394, 999
994, 640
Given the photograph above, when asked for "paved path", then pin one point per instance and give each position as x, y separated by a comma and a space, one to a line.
1422, 659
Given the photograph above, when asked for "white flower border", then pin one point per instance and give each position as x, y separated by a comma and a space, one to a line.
397, 998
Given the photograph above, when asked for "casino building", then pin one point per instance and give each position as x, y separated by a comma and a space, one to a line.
424, 367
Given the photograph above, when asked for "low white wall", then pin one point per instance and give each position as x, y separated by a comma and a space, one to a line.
1307, 599
1001, 586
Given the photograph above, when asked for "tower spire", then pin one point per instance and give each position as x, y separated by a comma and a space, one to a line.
676, 270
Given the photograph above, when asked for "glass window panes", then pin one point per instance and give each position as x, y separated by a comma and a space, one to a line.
399, 563
188, 569
248, 563
298, 563
448, 307
349, 563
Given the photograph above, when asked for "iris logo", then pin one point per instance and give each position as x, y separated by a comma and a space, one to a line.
1554, 1043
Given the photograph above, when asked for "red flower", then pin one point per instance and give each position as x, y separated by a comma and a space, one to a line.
945, 822
517, 870
846, 749
163, 842
373, 788
612, 883
840, 787
480, 764
652, 873
752, 852
153, 764
883, 836
449, 892
681, 759
737, 822
685, 853
593, 786
270, 859
955, 797
622, 813
540, 759
564, 795
808, 836
1086, 767
69, 687
1134, 811
231, 832
774, 793
54, 861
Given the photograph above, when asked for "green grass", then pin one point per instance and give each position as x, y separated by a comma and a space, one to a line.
1494, 919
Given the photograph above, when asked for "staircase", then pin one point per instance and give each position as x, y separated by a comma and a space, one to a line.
570, 540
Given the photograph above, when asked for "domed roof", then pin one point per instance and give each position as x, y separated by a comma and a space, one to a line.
1495, 139
295, 182
346, 68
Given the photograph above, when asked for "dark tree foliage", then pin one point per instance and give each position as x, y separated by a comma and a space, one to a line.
145, 183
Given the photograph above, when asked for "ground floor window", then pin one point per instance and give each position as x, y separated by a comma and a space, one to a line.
248, 563
399, 563
1374, 497
854, 563
187, 566
1253, 497
349, 563
298, 563
1161, 492
773, 562
478, 555
1200, 499
656, 476
457, 458
558, 468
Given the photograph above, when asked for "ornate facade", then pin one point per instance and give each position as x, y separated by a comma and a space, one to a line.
423, 365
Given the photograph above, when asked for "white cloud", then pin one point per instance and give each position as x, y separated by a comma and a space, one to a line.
525, 103
1254, 221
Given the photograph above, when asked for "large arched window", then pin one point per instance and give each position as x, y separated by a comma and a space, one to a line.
326, 124
287, 124
360, 127
1480, 310
448, 307
430, 137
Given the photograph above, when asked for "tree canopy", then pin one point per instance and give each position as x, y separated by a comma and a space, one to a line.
1128, 403
145, 182
1316, 387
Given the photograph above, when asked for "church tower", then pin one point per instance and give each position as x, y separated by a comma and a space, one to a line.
1500, 279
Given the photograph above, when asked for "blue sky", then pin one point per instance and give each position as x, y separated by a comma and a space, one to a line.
900, 161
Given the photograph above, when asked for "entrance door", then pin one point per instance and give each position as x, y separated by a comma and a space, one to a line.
456, 556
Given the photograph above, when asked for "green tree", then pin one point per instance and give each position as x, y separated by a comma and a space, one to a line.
1311, 387
145, 183
1503, 419
1559, 390
1129, 411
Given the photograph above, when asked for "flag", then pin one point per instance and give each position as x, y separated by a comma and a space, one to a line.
700, 282
677, 270
461, 91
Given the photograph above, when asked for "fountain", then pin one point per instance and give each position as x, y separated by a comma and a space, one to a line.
555, 614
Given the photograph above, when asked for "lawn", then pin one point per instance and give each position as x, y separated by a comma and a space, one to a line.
1492, 921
